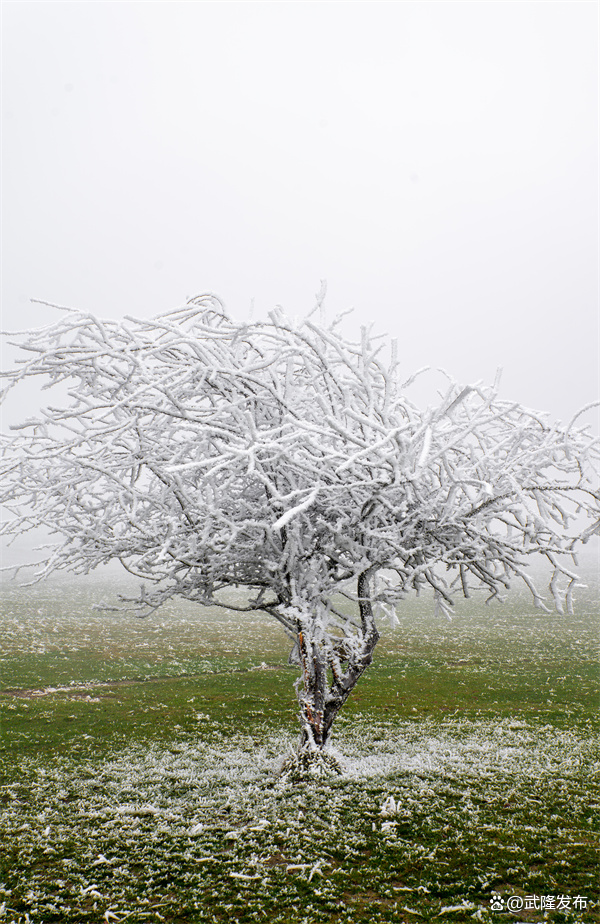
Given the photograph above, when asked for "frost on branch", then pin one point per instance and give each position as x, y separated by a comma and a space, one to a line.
204, 453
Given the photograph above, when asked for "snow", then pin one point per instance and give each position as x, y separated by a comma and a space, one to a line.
221, 806
280, 457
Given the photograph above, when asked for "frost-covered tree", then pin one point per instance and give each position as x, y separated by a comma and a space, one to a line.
205, 453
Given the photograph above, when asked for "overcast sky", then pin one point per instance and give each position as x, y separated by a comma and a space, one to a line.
436, 162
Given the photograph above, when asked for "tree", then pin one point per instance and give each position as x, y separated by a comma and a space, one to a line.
204, 454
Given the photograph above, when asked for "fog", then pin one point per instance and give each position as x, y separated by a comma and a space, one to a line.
435, 162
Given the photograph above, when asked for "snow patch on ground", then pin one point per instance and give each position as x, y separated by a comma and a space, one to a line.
457, 748
450, 750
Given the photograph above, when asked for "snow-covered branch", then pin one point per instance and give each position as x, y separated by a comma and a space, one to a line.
202, 453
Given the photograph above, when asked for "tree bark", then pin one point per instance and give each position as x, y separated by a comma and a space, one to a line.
319, 697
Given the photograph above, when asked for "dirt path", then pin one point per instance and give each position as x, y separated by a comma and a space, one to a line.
81, 689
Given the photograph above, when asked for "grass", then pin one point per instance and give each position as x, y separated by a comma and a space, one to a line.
139, 769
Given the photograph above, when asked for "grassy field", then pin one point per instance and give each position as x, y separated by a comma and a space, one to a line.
140, 768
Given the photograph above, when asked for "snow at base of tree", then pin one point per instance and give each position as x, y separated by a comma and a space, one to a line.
205, 454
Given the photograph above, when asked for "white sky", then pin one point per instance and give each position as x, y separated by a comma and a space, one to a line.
436, 162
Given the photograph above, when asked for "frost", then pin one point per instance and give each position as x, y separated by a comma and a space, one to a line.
226, 823
284, 465
389, 807
464, 906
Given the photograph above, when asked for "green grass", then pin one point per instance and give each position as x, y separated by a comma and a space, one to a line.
146, 786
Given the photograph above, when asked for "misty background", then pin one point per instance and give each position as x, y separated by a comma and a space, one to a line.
435, 162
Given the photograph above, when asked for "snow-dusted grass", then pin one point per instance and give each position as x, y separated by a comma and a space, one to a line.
470, 757
52, 633
441, 814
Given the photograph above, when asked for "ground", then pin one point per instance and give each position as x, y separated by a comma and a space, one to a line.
140, 769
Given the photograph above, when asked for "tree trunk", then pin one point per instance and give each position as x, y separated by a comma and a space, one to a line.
320, 697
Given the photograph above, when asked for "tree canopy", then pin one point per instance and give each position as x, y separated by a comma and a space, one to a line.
205, 453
